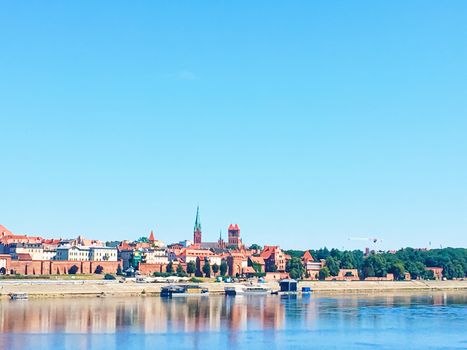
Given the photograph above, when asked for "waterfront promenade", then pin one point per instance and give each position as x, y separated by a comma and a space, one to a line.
100, 288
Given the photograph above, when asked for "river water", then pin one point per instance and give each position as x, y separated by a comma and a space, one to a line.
395, 321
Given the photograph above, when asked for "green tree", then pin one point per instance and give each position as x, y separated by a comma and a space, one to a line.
255, 247
319, 254
180, 271
416, 269
215, 268
324, 273
142, 240
295, 267
170, 267
333, 266
375, 266
294, 273
398, 270
207, 268
347, 260
295, 253
336, 254
191, 268
223, 268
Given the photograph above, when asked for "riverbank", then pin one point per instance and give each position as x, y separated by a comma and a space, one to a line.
101, 288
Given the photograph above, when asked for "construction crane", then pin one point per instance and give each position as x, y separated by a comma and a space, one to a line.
374, 240
371, 239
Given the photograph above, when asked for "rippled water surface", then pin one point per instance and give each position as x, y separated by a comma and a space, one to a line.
404, 321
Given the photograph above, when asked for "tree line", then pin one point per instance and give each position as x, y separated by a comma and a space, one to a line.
406, 260
191, 269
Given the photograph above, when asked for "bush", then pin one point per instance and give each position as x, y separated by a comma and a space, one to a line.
108, 276
195, 280
162, 274
99, 269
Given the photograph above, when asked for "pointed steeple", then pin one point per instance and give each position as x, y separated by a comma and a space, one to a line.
197, 234
151, 237
197, 220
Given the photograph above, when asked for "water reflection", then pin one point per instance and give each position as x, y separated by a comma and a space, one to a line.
215, 313
268, 322
149, 315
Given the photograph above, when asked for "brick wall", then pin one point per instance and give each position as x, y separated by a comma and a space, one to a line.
52, 267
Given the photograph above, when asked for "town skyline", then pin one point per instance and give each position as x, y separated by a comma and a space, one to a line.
352, 242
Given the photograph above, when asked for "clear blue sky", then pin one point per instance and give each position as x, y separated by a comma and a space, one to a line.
305, 122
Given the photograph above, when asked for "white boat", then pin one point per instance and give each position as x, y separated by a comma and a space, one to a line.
247, 290
144, 279
19, 296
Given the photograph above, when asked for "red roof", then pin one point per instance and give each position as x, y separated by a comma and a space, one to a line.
51, 241
151, 237
4, 231
257, 260
307, 257
268, 250
124, 246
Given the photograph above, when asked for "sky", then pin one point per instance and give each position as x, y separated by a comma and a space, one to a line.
305, 122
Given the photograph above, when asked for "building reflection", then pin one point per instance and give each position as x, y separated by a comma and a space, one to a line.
229, 315
148, 315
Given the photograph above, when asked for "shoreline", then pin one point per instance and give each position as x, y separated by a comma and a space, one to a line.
100, 288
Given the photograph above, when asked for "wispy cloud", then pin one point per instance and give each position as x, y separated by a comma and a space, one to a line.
186, 75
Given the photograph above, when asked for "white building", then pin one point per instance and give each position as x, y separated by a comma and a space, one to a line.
34, 250
102, 254
83, 253
156, 256
72, 252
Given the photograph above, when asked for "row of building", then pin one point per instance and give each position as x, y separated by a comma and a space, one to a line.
34, 255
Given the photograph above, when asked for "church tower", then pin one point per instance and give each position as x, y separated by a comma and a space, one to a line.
197, 229
234, 237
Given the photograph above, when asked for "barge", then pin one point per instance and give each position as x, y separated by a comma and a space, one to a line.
187, 290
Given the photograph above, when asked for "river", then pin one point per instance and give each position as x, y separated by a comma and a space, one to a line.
384, 321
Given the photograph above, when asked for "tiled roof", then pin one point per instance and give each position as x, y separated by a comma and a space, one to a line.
257, 260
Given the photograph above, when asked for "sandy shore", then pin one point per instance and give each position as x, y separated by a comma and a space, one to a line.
48, 289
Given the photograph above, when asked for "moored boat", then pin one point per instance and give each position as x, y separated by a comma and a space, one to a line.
19, 296
187, 290
247, 290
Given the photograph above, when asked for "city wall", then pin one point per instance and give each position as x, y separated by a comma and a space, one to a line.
53, 267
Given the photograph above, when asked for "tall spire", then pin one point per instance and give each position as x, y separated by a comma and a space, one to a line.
197, 220
197, 230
